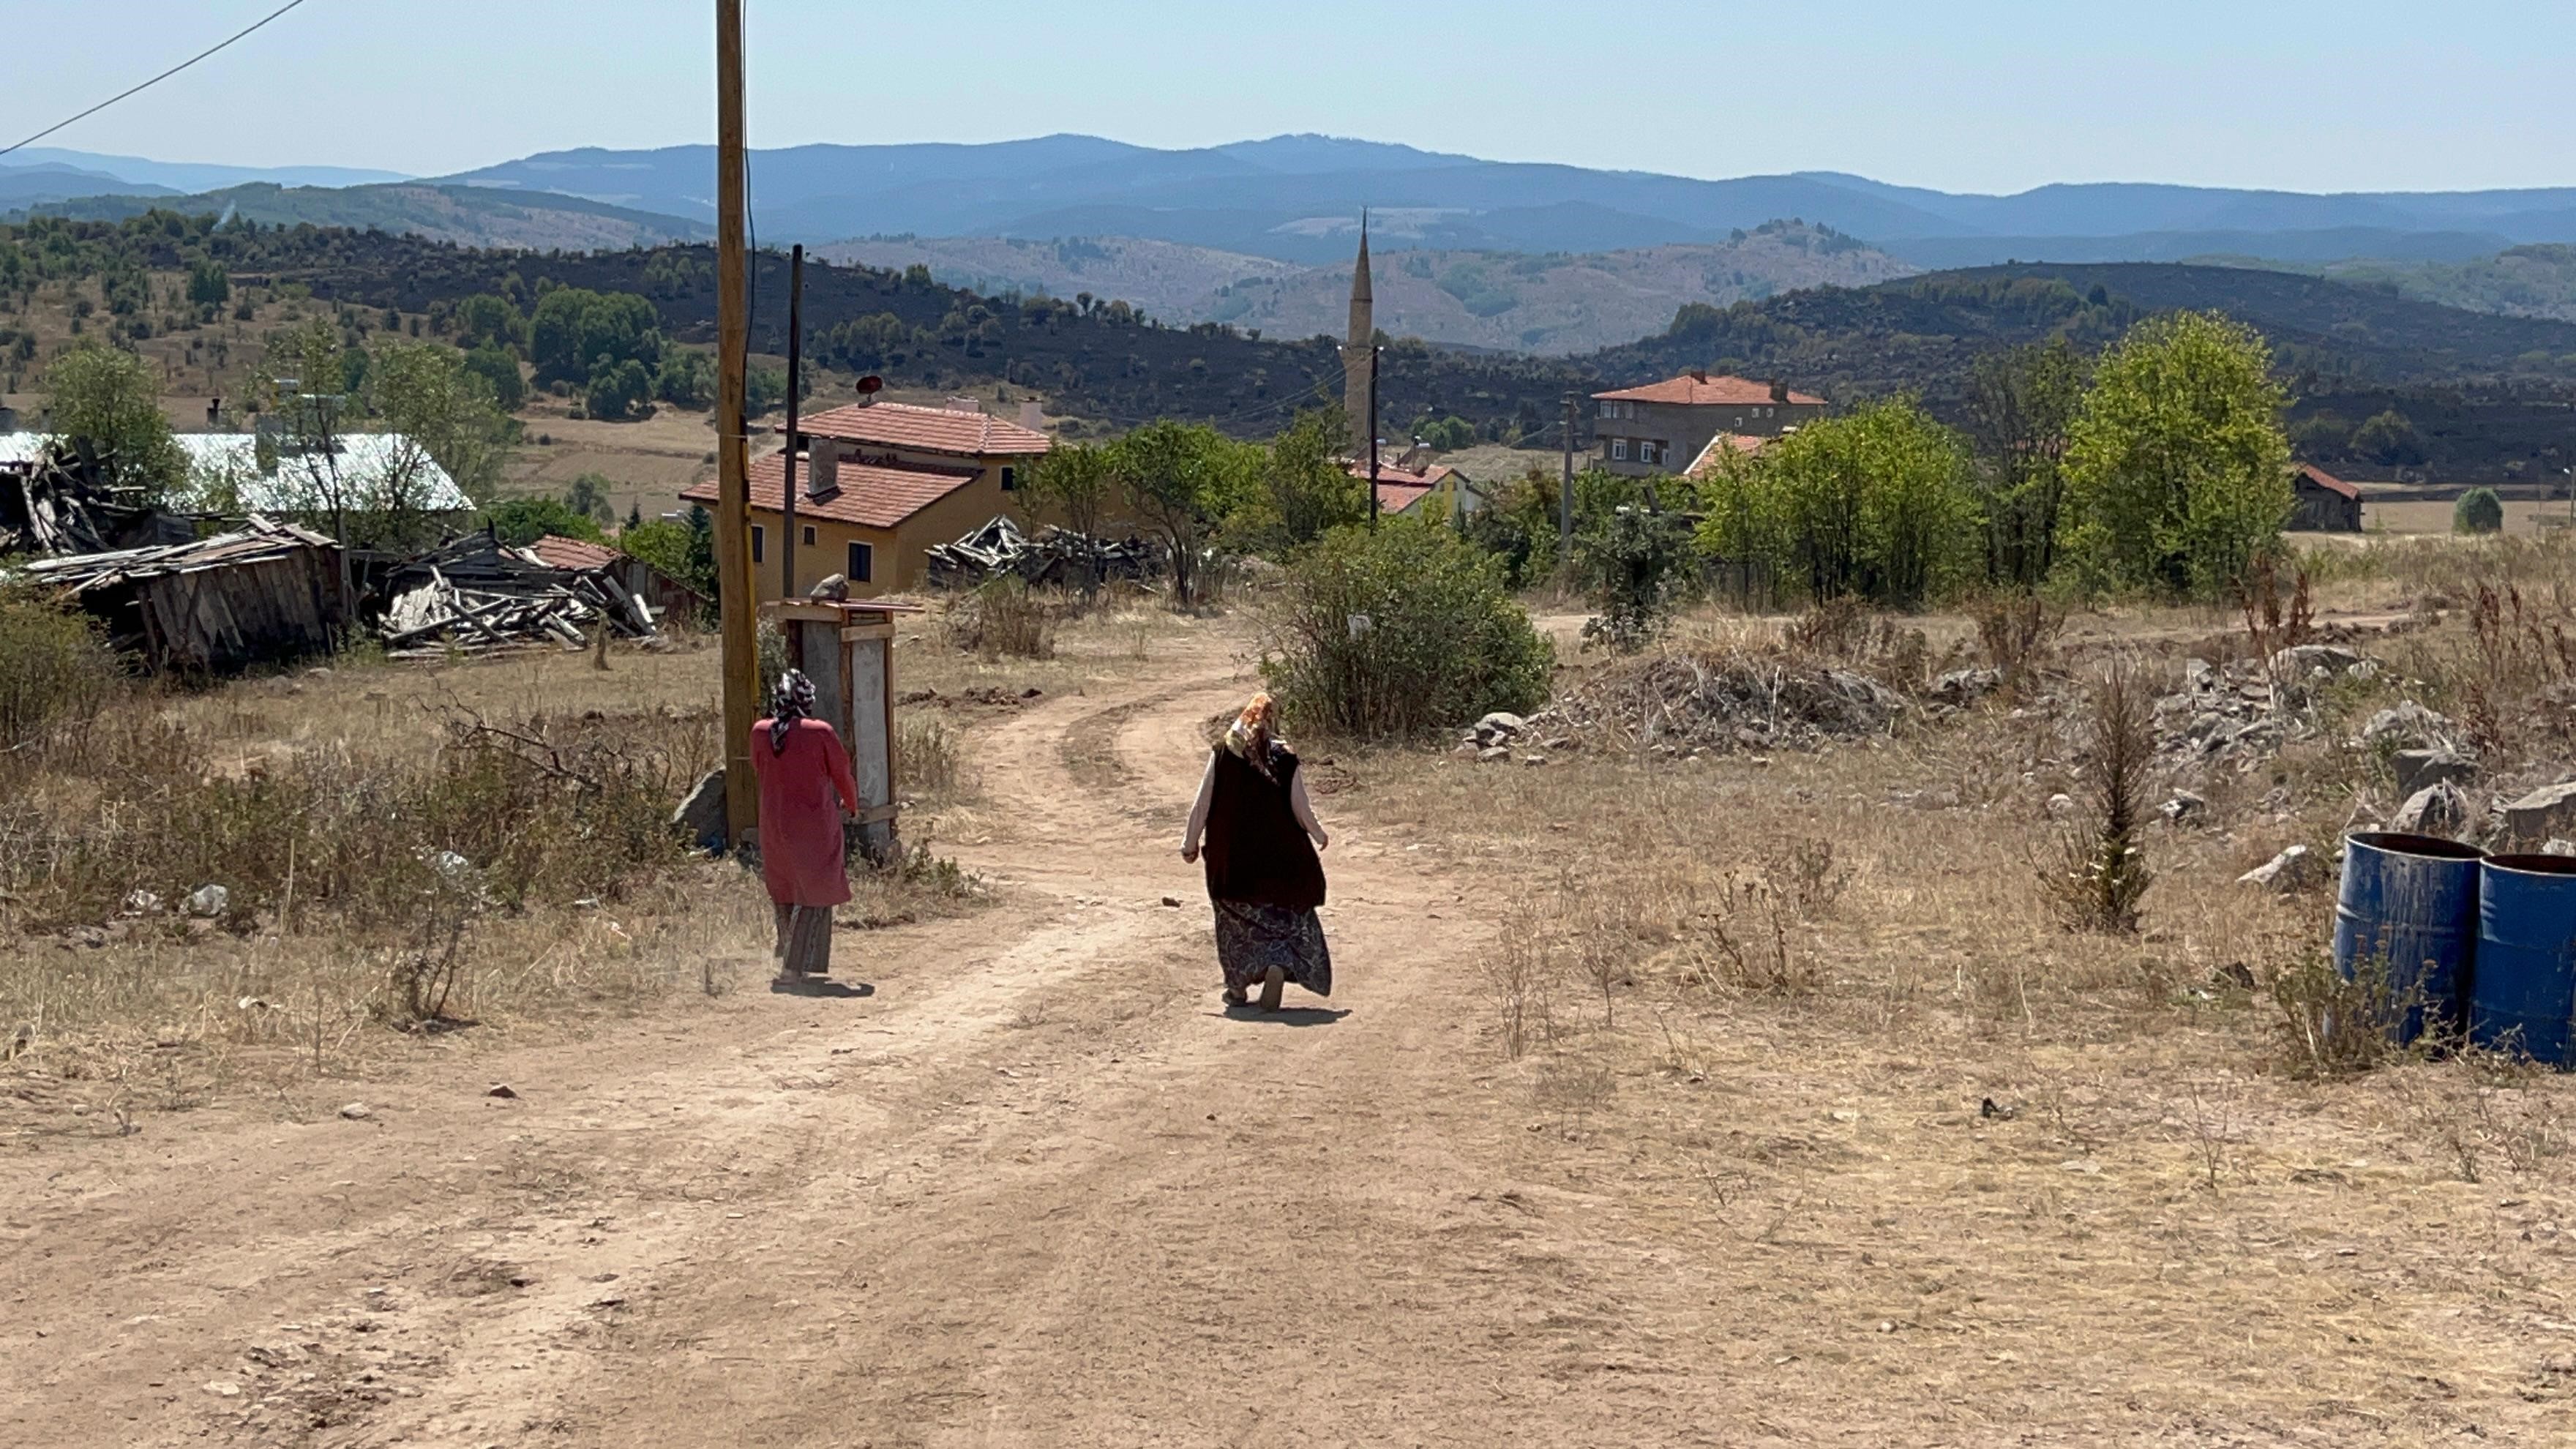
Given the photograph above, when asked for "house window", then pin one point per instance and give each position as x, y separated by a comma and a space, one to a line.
809, 535
1010, 479
863, 563
1619, 449
759, 537
1645, 451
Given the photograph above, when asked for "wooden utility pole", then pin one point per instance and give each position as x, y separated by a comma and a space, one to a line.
1374, 353
735, 587
795, 375
1565, 495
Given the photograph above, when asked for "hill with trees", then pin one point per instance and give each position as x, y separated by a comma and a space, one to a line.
2375, 379
471, 216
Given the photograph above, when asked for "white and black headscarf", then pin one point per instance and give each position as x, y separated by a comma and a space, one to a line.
793, 701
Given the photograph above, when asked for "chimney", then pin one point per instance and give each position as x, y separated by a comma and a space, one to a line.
1779, 391
1032, 417
214, 412
1699, 374
823, 468
965, 405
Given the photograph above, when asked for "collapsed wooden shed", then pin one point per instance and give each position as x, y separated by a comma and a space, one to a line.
265, 593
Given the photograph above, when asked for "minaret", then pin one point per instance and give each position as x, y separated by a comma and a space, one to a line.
1357, 357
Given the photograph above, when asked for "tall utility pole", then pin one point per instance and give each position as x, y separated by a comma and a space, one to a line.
1565, 495
795, 375
1374, 353
734, 584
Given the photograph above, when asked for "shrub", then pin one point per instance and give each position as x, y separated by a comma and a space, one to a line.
1633, 569
1001, 618
2102, 871
54, 669
1398, 633
2478, 511
522, 521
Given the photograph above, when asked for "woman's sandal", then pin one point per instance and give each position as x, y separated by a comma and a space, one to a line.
1234, 996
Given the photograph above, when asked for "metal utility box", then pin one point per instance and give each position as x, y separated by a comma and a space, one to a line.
847, 649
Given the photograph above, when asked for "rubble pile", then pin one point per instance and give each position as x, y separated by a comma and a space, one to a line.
61, 503
2241, 714
1056, 557
1690, 703
479, 596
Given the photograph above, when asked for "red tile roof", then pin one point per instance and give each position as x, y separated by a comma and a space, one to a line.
1397, 497
935, 430
2328, 481
579, 555
870, 496
1706, 462
1705, 389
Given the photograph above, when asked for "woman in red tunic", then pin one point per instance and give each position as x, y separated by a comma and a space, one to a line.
805, 784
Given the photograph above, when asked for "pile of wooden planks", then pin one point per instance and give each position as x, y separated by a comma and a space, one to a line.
61, 503
476, 595
1056, 557
263, 593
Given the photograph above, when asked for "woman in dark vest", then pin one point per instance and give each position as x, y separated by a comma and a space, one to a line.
1260, 841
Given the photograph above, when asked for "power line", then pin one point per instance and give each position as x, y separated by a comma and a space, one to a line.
156, 80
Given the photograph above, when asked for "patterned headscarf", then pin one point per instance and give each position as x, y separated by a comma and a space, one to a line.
1251, 735
793, 701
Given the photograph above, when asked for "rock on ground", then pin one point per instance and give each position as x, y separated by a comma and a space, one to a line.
701, 817
2294, 869
2545, 812
2440, 808
2419, 768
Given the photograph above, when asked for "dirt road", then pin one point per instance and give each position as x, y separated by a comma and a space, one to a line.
1033, 1188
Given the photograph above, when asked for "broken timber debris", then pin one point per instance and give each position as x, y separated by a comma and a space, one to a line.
477, 595
1057, 557
266, 592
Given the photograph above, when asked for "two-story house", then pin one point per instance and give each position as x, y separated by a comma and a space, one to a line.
1665, 426
877, 484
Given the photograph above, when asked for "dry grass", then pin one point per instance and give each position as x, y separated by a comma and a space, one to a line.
2051, 1183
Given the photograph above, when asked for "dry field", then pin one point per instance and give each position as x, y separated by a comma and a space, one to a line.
2521, 516
1652, 1107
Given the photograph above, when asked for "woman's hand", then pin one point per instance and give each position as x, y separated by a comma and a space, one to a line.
1190, 852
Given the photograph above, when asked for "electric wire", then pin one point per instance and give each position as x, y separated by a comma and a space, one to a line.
156, 80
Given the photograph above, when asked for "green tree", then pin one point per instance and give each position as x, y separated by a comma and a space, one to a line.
1446, 434
1078, 481
1180, 479
2478, 511
499, 369
2022, 405
1303, 489
484, 320
764, 391
1443, 642
1633, 571
442, 413
2177, 470
208, 284
589, 495
575, 334
686, 378
679, 553
1874, 504
2389, 437
108, 401
618, 391
519, 522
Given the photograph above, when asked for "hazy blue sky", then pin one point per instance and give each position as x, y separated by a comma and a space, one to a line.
1966, 95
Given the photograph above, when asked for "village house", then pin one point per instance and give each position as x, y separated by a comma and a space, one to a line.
2322, 502
237, 473
1410, 482
1665, 427
878, 484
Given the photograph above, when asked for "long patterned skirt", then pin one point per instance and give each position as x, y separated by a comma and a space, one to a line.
804, 939
1250, 939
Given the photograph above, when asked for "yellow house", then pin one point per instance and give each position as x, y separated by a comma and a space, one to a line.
877, 485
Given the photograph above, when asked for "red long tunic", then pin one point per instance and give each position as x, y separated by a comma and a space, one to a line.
802, 793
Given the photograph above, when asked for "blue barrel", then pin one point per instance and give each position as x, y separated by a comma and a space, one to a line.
2410, 901
2525, 996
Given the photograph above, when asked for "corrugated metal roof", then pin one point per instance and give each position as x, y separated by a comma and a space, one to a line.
374, 471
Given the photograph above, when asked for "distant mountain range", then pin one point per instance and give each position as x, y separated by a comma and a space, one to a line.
1225, 232
1297, 198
